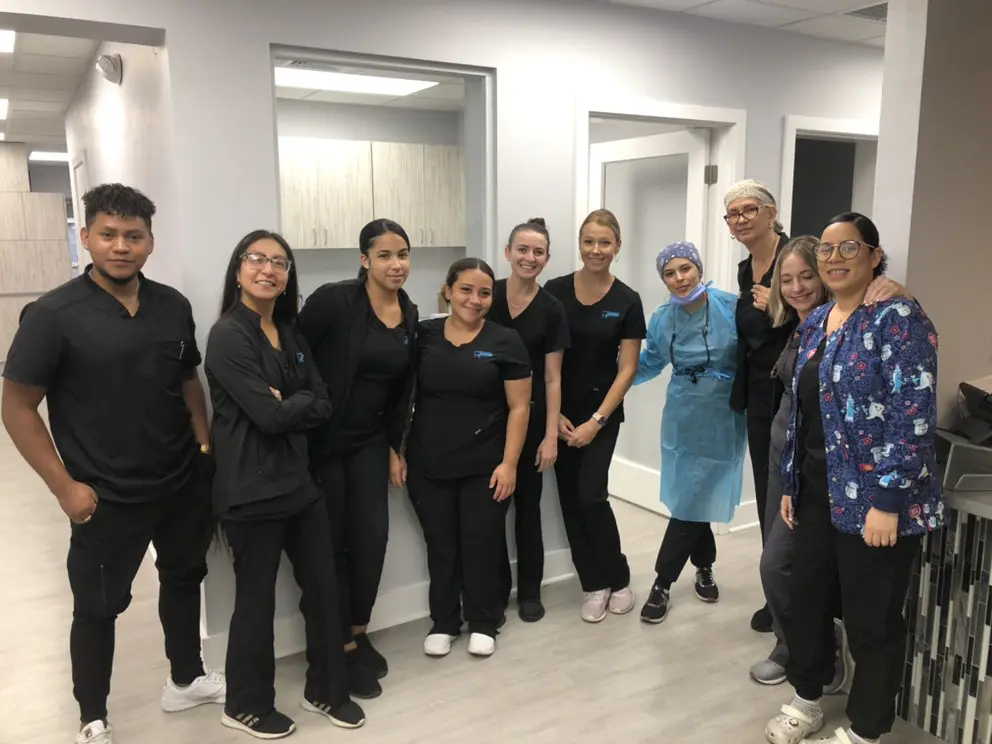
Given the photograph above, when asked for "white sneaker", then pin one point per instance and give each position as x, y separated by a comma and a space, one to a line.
96, 733
438, 644
793, 726
594, 606
480, 644
208, 688
622, 601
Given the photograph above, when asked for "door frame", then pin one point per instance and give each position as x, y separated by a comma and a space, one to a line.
727, 151
858, 130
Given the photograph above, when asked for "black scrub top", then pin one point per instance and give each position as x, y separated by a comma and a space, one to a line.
459, 419
383, 362
812, 443
543, 328
755, 388
590, 364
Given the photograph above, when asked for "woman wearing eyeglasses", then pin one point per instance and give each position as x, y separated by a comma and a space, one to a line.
860, 485
267, 394
702, 467
752, 216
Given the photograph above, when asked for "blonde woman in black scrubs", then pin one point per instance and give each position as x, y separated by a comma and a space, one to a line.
606, 325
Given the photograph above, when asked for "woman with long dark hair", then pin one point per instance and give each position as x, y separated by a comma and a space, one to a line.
363, 335
267, 394
860, 485
520, 303
606, 325
469, 426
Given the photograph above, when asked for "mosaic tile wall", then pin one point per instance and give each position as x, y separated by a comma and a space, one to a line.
947, 687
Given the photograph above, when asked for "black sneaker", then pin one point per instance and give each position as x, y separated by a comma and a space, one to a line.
347, 715
761, 621
530, 610
362, 680
502, 621
272, 725
706, 588
655, 610
370, 657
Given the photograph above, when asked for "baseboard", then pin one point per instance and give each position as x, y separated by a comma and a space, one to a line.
401, 605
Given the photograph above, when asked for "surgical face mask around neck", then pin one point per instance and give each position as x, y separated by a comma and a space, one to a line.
698, 291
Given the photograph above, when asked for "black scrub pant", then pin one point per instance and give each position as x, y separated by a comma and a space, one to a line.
257, 546
583, 479
356, 488
759, 438
104, 557
873, 583
464, 528
684, 541
526, 522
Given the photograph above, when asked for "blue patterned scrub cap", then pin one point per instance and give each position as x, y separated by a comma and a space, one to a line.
679, 249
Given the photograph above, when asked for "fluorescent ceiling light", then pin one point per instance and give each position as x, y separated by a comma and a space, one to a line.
339, 82
7, 39
2, 136
4, 105
39, 156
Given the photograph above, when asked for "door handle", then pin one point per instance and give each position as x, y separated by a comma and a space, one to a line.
315, 237
432, 236
325, 238
422, 241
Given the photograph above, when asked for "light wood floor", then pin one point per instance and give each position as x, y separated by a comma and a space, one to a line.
557, 681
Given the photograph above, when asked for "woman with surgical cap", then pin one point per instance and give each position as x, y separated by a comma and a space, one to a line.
702, 464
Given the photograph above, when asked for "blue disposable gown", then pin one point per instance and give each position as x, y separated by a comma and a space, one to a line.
703, 440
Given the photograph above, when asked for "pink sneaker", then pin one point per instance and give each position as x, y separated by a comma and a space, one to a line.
594, 606
622, 601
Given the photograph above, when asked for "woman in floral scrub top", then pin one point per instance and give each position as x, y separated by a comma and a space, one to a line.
860, 485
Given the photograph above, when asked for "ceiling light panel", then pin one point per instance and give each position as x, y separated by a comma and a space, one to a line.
4, 108
291, 77
39, 156
7, 41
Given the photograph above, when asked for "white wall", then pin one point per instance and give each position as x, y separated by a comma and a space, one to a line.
377, 123
224, 119
863, 193
124, 133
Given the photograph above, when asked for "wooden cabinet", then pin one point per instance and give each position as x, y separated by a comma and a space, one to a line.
14, 167
332, 188
444, 187
44, 217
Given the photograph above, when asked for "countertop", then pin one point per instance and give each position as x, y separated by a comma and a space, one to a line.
978, 503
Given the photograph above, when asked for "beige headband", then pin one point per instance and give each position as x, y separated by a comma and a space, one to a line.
750, 189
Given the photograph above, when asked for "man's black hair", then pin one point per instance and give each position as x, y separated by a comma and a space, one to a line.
118, 200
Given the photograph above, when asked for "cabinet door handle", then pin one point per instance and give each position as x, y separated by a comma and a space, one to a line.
432, 236
315, 237
422, 241
325, 238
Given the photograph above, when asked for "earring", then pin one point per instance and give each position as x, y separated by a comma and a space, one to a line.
239, 285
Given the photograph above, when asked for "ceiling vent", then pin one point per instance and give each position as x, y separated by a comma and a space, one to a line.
878, 13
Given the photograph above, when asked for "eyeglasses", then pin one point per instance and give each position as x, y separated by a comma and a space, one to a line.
258, 260
748, 213
848, 249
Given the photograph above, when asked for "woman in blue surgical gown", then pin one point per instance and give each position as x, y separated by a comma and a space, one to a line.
702, 439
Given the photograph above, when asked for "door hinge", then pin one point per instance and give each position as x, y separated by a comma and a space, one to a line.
711, 174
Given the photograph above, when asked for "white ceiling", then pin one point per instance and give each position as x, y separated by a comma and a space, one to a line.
40, 79
824, 18
448, 95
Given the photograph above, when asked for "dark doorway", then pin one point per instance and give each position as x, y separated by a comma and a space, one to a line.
823, 183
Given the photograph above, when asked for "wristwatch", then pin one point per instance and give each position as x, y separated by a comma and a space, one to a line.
600, 419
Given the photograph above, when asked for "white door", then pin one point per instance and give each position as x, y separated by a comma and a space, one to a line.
655, 186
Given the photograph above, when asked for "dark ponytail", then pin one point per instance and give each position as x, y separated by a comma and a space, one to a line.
373, 230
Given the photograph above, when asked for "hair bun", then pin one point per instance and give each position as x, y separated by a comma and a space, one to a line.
537, 221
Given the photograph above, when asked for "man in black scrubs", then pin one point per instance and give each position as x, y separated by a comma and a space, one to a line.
115, 355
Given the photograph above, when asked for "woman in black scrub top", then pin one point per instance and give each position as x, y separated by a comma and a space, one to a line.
606, 325
752, 218
522, 304
266, 394
362, 332
469, 426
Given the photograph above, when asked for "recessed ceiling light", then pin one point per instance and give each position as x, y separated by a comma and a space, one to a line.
4, 105
39, 156
7, 39
339, 82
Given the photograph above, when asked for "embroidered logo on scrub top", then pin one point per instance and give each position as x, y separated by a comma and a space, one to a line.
299, 357
406, 339
607, 314
482, 354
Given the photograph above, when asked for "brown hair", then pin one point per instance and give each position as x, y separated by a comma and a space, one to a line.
803, 246
603, 218
534, 224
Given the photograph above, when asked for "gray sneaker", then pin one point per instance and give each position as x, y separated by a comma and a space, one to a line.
768, 672
844, 664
